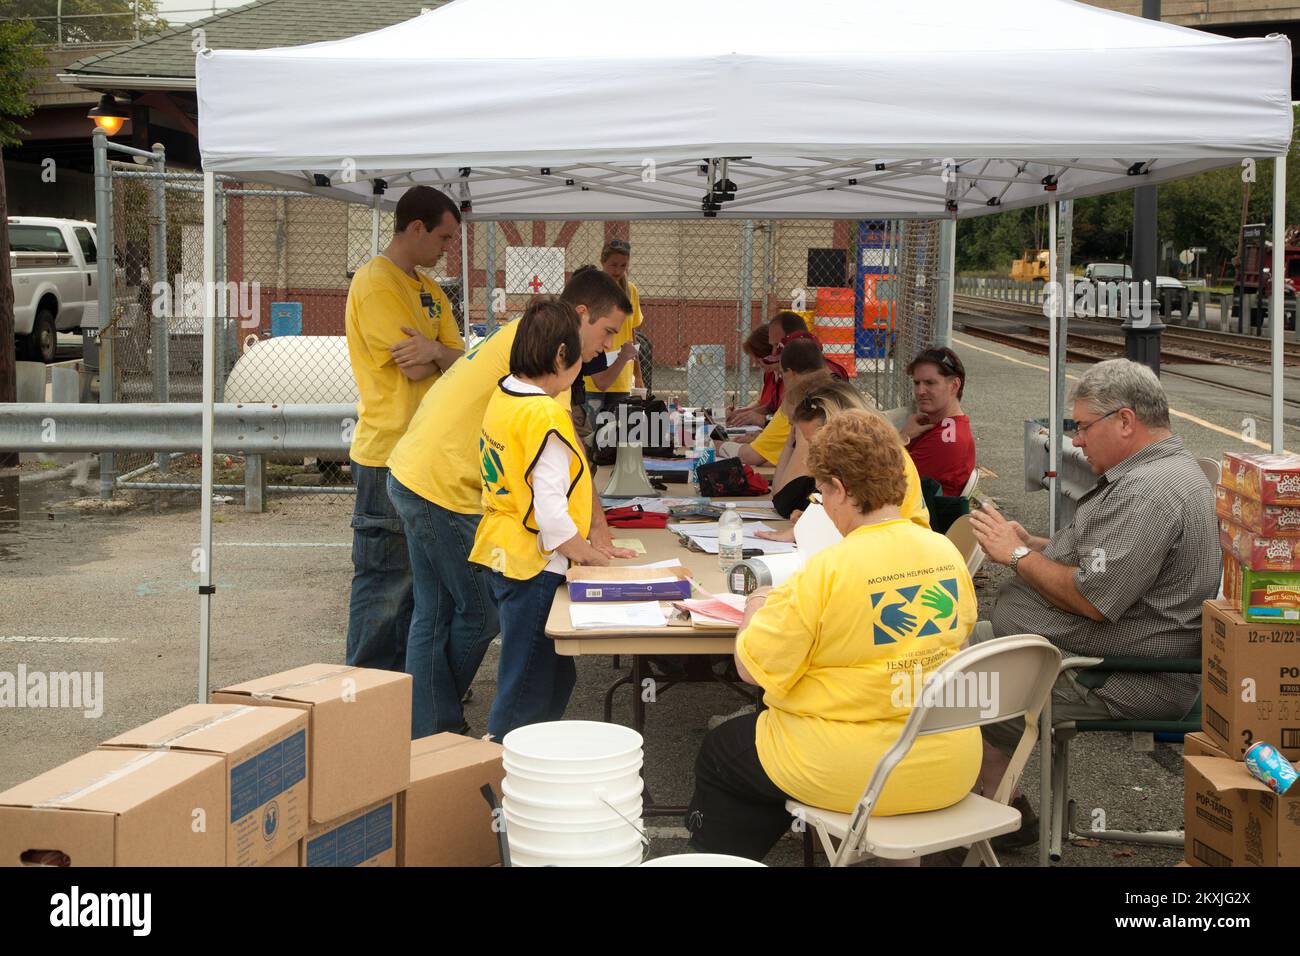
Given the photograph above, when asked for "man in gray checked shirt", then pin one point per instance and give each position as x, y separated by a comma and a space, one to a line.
1127, 578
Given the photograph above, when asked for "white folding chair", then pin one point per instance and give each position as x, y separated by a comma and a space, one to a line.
962, 534
1213, 470
1026, 667
971, 482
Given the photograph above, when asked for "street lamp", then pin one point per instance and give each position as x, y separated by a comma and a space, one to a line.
108, 116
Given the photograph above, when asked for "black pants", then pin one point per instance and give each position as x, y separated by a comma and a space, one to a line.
736, 808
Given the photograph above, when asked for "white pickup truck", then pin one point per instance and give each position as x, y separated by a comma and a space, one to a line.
55, 280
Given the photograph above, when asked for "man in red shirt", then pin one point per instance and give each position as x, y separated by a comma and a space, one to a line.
938, 436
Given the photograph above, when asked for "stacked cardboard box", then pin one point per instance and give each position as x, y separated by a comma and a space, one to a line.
1250, 690
310, 767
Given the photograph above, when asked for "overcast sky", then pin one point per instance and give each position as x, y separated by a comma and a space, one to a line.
183, 11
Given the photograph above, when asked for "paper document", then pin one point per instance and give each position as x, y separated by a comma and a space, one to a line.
710, 530
634, 616
631, 544
710, 545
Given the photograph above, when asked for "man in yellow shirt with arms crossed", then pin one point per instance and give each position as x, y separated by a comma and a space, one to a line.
401, 336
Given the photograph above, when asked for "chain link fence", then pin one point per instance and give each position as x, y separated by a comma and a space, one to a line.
868, 290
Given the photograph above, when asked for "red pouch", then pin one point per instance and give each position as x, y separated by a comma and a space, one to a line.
635, 516
757, 483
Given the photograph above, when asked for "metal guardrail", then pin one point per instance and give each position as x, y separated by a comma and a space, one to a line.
245, 429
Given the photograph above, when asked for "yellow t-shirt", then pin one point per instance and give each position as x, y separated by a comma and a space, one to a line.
381, 299
516, 428
438, 457
625, 378
771, 440
840, 651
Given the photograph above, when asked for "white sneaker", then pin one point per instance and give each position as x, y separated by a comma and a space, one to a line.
717, 720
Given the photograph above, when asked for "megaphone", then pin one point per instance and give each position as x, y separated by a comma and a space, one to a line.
629, 479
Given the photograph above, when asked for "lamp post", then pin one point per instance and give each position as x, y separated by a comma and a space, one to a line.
1142, 337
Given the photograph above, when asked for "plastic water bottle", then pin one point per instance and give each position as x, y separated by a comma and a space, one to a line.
703, 448
731, 538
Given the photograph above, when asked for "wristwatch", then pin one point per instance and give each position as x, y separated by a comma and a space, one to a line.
1016, 555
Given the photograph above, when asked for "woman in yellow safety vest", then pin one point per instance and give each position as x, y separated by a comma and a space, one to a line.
536, 512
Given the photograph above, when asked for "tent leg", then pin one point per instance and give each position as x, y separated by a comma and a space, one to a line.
464, 277
204, 556
1053, 411
1278, 294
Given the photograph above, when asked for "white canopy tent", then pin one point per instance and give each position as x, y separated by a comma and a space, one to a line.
821, 109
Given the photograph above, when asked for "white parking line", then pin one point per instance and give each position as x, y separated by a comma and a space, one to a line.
40, 639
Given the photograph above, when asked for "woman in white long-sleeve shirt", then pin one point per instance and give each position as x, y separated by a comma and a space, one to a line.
537, 513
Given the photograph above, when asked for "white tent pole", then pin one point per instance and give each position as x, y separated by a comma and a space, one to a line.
1277, 315
209, 388
464, 277
374, 229
1053, 411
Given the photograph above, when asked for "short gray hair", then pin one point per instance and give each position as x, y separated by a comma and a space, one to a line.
1120, 383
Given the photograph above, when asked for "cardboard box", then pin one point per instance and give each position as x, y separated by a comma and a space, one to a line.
1199, 745
359, 730
1257, 552
1269, 520
442, 818
1250, 681
1272, 479
1232, 819
290, 857
265, 752
628, 584
119, 808
365, 837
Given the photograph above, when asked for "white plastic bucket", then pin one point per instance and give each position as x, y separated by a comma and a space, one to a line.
591, 838
541, 770
585, 800
575, 817
623, 851
579, 746
702, 859
528, 787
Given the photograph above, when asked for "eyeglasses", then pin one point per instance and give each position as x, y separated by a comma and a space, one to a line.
618, 245
1080, 428
941, 359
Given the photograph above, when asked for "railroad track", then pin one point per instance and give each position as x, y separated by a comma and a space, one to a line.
1217, 345
1087, 348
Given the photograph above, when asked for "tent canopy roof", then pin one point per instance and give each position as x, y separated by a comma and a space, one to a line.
826, 108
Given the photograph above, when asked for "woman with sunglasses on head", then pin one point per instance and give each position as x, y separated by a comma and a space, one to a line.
607, 388
812, 408
938, 435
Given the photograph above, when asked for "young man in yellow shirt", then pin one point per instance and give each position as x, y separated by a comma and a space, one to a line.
606, 388
435, 484
401, 337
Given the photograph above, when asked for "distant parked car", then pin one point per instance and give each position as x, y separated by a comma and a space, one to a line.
1108, 272
55, 278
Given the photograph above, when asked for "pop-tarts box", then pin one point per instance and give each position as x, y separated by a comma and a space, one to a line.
365, 837
265, 751
628, 584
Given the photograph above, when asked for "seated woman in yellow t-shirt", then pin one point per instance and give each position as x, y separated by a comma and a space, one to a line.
536, 512
841, 650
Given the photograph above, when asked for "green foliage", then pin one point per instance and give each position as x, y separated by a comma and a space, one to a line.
87, 21
1202, 210
19, 61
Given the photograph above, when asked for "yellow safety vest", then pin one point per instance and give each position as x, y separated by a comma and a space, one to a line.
516, 428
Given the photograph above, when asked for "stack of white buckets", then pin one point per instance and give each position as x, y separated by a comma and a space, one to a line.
572, 794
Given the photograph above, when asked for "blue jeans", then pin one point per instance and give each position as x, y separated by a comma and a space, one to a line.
379, 611
533, 682
454, 619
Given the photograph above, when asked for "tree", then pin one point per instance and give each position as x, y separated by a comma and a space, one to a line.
89, 21
19, 59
